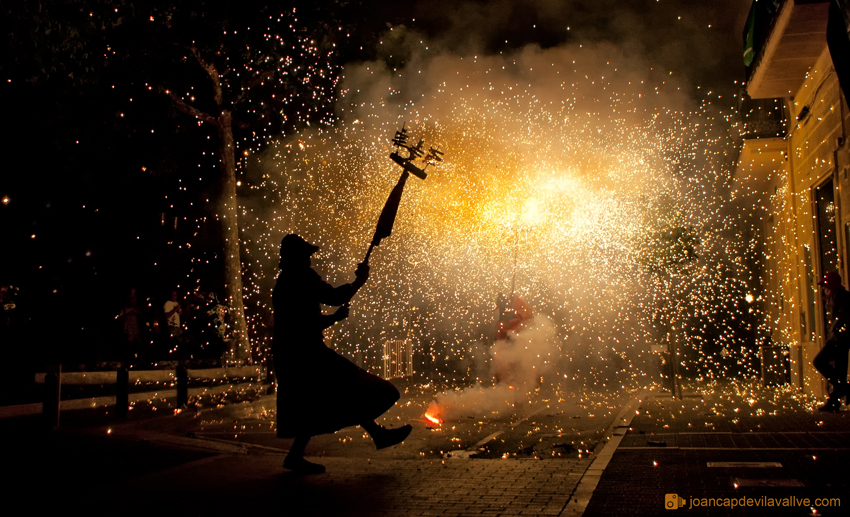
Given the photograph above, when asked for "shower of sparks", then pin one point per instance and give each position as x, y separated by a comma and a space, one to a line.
609, 211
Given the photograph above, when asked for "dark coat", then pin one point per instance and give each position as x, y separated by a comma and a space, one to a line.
319, 391
838, 316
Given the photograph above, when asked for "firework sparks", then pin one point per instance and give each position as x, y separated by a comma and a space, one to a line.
599, 196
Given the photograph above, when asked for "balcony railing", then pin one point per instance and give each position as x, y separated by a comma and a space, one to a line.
762, 118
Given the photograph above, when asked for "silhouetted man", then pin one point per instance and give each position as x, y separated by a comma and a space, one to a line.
831, 361
319, 391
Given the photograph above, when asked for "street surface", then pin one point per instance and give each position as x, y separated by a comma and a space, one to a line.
553, 424
721, 441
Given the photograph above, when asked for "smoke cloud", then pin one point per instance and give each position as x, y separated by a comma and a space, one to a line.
522, 364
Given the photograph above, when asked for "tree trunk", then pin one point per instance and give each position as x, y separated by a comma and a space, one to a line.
230, 227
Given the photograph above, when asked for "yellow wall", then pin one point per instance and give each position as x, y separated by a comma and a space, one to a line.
811, 156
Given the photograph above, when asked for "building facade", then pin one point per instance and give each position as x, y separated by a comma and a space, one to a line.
795, 166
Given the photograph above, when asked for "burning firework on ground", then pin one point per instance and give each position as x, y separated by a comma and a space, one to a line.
433, 419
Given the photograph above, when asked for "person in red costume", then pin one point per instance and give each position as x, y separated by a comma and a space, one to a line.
513, 315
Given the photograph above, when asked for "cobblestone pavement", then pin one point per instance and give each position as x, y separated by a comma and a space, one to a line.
724, 442
414, 478
362, 487
720, 442
186, 462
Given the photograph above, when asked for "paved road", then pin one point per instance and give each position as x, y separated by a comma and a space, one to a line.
729, 441
225, 456
552, 423
721, 441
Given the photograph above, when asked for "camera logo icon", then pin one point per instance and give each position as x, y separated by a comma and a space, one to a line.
673, 501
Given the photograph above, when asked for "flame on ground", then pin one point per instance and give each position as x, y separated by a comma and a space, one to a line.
433, 419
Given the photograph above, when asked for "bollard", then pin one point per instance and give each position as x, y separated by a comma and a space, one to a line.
51, 397
182, 386
122, 392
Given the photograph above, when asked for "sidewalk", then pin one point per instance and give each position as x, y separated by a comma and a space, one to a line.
664, 447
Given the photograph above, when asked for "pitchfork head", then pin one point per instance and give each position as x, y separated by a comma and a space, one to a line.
434, 156
414, 152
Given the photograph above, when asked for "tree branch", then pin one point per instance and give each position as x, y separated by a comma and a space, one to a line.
209, 68
191, 110
252, 83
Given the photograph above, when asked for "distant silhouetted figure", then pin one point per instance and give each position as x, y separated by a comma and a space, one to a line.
172, 310
8, 307
831, 361
130, 318
215, 329
319, 391
10, 331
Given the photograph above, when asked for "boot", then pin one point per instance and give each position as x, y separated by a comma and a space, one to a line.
302, 466
831, 405
841, 391
388, 437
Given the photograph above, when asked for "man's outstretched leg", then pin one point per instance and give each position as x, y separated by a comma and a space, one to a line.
384, 437
295, 459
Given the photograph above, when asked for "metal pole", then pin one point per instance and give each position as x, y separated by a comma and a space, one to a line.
677, 385
516, 252
51, 398
182, 375
673, 352
122, 392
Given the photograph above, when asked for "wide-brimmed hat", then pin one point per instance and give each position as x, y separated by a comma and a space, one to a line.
294, 244
832, 280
